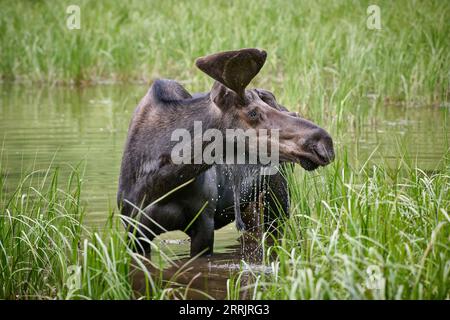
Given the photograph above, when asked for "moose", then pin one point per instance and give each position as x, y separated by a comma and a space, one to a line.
199, 198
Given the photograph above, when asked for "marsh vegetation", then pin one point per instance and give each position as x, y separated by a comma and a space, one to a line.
373, 225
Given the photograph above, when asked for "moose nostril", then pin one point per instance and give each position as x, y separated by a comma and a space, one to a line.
320, 143
324, 150
322, 153
329, 148
331, 154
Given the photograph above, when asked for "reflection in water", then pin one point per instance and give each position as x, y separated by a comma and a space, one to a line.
60, 126
207, 277
195, 277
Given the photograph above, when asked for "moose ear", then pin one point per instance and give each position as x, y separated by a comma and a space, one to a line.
233, 69
269, 98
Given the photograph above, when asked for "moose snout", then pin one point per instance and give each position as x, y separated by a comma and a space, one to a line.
320, 144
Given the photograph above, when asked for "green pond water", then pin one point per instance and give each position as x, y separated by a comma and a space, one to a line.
64, 126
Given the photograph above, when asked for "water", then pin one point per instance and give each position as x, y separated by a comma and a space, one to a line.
40, 126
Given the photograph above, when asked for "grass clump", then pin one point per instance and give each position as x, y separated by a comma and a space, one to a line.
47, 253
374, 233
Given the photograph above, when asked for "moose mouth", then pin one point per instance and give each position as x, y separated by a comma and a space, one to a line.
307, 164
309, 157
311, 161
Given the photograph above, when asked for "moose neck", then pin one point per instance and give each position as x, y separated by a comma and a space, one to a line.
197, 117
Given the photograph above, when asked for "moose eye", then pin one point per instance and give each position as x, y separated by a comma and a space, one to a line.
253, 114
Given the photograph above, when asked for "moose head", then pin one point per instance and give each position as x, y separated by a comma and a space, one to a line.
299, 140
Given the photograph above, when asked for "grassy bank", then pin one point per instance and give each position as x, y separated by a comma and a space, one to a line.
317, 50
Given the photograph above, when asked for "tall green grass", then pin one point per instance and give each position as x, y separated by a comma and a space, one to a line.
345, 224
369, 233
46, 252
319, 52
347, 220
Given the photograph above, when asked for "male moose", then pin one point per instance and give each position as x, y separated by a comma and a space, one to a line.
148, 172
